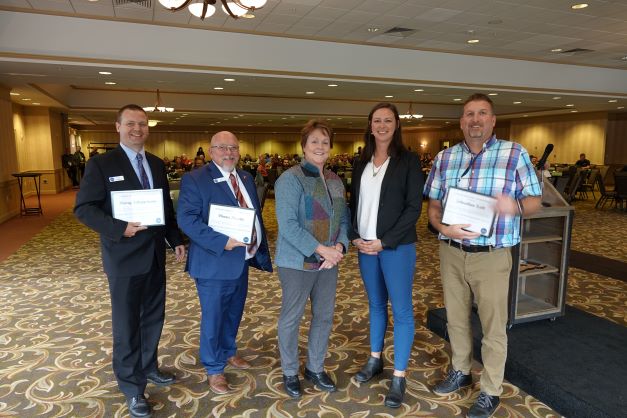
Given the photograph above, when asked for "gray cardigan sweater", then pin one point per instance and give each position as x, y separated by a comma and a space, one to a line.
308, 214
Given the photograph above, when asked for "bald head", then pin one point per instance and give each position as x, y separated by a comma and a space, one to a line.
225, 150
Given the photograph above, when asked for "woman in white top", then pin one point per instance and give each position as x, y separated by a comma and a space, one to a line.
385, 203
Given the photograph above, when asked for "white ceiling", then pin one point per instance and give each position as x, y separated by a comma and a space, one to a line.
51, 52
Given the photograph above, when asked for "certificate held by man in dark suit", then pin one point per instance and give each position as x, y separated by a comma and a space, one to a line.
133, 254
217, 262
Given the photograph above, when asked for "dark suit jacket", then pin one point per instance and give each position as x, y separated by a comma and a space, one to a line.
400, 201
122, 256
207, 257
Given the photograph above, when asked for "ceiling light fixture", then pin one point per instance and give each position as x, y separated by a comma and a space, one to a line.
110, 83
14, 94
206, 8
419, 89
570, 105
229, 79
517, 102
153, 122
472, 41
493, 94
457, 99
612, 101
158, 107
389, 96
410, 115
579, 6
310, 92
332, 85
556, 98
104, 72
557, 50
218, 88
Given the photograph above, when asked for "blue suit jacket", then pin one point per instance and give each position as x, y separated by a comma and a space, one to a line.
207, 257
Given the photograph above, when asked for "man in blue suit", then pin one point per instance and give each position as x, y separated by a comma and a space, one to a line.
218, 263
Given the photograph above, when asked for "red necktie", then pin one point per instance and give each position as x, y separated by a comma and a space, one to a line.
242, 204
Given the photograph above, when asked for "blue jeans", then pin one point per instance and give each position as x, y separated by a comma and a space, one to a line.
389, 275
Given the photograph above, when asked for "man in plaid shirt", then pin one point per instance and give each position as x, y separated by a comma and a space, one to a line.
472, 264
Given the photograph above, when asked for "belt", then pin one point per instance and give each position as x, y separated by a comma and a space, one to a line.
470, 248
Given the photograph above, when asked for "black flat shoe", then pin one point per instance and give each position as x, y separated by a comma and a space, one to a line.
321, 380
394, 398
371, 369
292, 386
138, 407
161, 378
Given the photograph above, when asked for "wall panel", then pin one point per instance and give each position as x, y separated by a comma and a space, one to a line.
616, 140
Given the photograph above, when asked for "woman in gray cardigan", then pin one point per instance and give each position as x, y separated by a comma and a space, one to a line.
312, 217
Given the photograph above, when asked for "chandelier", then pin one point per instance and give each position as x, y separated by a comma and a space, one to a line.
158, 107
410, 114
206, 8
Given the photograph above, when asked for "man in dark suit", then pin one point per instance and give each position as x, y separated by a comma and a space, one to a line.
218, 263
133, 255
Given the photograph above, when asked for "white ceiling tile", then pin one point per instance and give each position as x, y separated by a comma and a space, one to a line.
341, 4
551, 40
98, 8
357, 16
16, 3
438, 15
443, 45
329, 13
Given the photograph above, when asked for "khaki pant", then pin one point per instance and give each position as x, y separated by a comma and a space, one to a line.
486, 277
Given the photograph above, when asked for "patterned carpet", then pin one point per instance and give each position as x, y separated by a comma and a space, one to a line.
55, 343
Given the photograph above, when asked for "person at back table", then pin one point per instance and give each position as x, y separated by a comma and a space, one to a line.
133, 255
475, 266
582, 162
218, 263
385, 203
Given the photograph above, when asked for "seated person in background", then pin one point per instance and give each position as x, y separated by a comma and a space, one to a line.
582, 162
545, 169
198, 162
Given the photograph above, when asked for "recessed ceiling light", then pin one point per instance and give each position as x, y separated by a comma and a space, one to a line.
570, 105
14, 94
218, 88
493, 94
27, 100
525, 116
110, 83
624, 58
612, 101
574, 111
389, 96
579, 6
332, 85
310, 92
229, 79
557, 97
557, 50
472, 41
457, 99
620, 107
104, 72
419, 89
373, 29
517, 102
447, 122
36, 103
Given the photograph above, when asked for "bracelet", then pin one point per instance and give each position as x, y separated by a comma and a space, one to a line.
521, 209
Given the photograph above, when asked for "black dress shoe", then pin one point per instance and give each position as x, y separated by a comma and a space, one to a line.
138, 407
394, 398
161, 378
371, 369
321, 380
292, 386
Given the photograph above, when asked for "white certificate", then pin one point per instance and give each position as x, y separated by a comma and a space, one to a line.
466, 207
232, 221
145, 206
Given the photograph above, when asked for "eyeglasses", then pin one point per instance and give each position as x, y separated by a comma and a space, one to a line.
224, 148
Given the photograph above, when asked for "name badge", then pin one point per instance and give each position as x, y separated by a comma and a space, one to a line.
219, 180
116, 178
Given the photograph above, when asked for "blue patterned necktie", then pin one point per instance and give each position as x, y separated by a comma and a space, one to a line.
142, 173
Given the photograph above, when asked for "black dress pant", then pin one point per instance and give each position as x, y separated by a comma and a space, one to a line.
137, 313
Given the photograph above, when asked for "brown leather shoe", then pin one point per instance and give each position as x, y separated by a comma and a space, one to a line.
238, 362
218, 384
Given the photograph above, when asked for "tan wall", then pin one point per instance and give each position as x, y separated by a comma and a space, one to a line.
171, 144
9, 195
570, 136
616, 140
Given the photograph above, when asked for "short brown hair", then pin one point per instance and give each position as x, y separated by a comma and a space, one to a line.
130, 107
311, 126
480, 97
